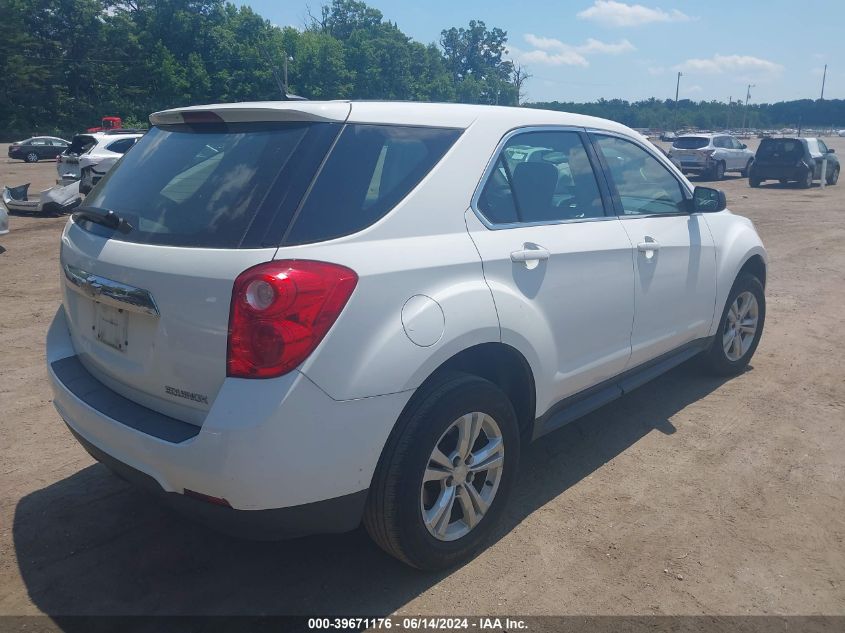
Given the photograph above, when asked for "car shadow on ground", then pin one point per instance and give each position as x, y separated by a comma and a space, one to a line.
92, 545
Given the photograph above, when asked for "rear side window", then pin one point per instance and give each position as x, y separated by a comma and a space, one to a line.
691, 142
541, 177
369, 171
122, 146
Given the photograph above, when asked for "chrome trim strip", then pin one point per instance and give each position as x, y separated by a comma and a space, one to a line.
110, 292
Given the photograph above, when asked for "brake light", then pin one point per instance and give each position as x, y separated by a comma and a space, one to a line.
200, 116
280, 312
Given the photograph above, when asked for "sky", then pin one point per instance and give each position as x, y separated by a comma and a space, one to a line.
583, 50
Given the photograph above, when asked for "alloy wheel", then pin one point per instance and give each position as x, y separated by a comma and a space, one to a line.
462, 476
740, 326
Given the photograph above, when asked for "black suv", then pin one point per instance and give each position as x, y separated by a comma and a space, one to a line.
797, 159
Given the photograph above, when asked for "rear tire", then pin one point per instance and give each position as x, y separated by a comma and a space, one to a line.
32, 157
735, 343
744, 173
833, 178
408, 478
753, 181
806, 180
719, 171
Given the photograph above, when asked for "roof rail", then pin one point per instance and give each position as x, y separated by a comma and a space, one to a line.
126, 130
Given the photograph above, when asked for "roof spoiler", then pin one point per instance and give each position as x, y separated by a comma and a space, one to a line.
296, 109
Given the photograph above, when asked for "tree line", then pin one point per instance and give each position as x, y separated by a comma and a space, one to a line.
658, 114
67, 63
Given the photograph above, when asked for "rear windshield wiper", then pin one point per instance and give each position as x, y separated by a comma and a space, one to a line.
106, 217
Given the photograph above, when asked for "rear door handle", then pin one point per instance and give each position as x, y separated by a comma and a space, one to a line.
645, 247
530, 255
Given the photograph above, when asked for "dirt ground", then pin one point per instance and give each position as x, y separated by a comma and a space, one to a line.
690, 496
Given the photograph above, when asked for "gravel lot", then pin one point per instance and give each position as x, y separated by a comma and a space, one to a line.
690, 496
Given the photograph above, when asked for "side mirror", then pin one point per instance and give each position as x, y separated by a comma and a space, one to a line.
743, 146
708, 200
831, 151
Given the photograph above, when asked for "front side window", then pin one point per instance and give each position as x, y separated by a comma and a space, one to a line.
822, 146
541, 177
644, 185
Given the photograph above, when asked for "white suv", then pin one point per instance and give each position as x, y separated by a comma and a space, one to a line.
290, 318
711, 155
90, 156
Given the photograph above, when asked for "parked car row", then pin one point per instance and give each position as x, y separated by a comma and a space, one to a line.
801, 160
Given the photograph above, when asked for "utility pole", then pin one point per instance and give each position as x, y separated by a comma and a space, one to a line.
730, 107
675, 110
745, 109
824, 76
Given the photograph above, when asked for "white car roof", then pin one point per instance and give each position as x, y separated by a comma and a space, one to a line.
453, 115
102, 136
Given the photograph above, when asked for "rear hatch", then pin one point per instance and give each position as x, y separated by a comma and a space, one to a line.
690, 150
778, 157
779, 151
148, 304
68, 163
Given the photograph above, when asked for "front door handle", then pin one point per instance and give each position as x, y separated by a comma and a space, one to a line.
646, 247
530, 255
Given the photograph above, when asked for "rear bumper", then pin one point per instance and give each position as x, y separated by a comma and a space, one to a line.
778, 172
697, 166
287, 458
340, 514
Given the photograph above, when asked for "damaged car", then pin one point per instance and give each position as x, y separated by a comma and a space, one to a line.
58, 199
90, 156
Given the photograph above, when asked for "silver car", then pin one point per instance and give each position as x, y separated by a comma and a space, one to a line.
711, 155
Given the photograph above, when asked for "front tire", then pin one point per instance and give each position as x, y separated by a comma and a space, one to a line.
446, 473
32, 157
740, 327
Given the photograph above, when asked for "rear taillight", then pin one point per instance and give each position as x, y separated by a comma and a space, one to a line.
280, 312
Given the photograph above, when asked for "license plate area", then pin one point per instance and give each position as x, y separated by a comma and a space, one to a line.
111, 326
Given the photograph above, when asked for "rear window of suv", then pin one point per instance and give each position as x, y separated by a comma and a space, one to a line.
780, 148
242, 185
691, 142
